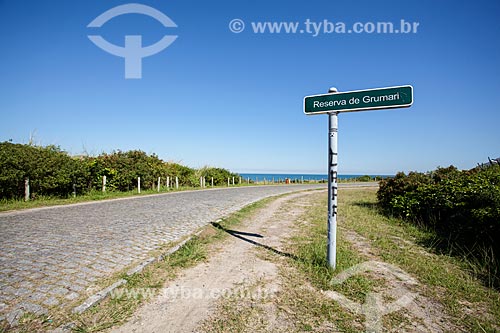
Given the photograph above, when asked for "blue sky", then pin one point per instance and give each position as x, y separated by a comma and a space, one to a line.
235, 100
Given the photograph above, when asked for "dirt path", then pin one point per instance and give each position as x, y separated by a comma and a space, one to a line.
191, 298
404, 292
244, 282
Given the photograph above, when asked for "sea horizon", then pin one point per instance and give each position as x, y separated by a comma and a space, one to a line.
299, 176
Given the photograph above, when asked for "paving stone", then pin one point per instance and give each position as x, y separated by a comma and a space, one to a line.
59, 291
50, 256
75, 287
36, 296
51, 301
33, 308
14, 316
71, 296
81, 282
21, 292
44, 288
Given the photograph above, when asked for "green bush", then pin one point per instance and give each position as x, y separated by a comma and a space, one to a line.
462, 207
52, 172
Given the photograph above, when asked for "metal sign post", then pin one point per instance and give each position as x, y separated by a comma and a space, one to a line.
333, 103
332, 186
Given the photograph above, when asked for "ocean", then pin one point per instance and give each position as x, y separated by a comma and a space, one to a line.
307, 177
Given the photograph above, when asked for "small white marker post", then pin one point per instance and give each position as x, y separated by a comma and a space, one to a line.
333, 103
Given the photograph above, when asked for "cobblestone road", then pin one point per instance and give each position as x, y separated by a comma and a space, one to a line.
53, 256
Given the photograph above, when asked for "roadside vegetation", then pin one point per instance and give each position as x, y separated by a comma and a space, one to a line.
467, 304
57, 178
460, 208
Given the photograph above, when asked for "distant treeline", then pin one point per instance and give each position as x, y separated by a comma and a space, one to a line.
462, 207
53, 172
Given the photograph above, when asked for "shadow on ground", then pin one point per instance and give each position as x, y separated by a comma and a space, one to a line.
240, 235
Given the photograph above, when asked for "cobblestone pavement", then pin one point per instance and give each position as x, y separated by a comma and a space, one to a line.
53, 256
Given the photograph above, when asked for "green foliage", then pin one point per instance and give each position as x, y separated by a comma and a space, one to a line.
52, 172
49, 169
220, 175
463, 207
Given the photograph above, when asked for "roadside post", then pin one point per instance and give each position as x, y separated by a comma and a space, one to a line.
332, 104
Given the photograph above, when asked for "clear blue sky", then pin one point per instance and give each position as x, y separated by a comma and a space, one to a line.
235, 100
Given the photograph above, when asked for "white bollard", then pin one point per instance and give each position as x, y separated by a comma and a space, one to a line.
104, 183
138, 184
27, 189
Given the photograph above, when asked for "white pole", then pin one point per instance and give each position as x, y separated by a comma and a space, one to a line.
138, 184
159, 178
332, 186
212, 181
27, 189
104, 183
201, 182
233, 181
227, 181
177, 182
168, 182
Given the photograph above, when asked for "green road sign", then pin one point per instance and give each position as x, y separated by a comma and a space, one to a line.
359, 100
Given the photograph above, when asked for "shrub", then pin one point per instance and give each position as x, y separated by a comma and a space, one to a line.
463, 207
53, 172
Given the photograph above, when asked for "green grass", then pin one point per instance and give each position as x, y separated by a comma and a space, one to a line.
446, 278
472, 306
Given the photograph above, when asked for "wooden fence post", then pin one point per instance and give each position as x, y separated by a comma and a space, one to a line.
27, 189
